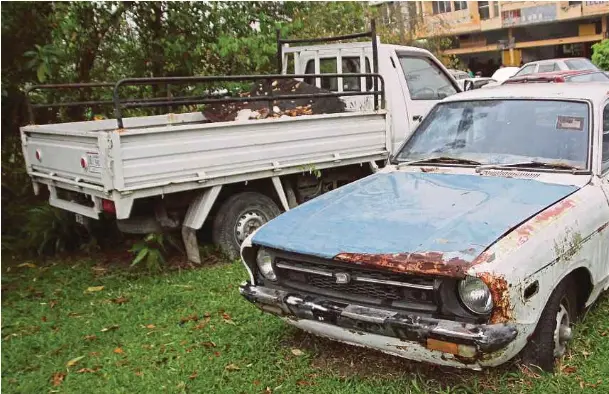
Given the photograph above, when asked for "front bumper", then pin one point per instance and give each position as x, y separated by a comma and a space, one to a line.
415, 337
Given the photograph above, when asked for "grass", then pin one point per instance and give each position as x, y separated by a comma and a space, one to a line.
190, 331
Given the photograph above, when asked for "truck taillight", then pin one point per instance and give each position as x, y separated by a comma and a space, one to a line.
108, 206
38, 155
83, 163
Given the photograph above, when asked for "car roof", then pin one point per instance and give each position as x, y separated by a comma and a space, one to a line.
558, 59
594, 91
551, 74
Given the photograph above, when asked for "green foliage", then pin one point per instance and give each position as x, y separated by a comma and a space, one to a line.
150, 251
600, 54
47, 230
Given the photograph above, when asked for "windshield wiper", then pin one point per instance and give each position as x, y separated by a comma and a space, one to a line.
529, 164
440, 159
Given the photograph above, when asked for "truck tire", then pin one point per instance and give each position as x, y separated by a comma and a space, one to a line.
238, 217
553, 330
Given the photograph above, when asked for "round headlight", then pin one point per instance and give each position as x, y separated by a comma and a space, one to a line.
265, 264
475, 295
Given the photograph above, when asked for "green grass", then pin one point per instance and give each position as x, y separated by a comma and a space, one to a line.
49, 318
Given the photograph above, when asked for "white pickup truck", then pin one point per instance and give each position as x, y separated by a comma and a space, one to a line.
166, 171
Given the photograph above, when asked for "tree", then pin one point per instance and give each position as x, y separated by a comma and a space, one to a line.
600, 54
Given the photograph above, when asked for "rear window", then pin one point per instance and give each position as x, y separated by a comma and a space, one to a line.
526, 70
580, 64
592, 77
328, 66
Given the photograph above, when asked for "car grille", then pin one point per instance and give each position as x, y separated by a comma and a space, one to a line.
366, 286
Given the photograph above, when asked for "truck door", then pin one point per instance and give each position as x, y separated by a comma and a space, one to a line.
426, 83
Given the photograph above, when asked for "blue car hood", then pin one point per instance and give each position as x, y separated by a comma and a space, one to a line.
398, 213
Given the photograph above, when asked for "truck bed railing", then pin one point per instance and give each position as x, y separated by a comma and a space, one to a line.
120, 104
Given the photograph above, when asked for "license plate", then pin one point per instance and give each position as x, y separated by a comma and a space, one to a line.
80, 219
94, 164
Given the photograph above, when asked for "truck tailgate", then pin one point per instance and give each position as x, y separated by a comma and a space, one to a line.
73, 156
153, 157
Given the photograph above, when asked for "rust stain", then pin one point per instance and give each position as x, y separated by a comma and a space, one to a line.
502, 311
484, 257
524, 232
430, 263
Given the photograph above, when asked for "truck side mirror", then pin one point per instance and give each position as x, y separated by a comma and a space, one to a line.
468, 84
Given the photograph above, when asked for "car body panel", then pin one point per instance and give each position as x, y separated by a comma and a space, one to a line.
390, 213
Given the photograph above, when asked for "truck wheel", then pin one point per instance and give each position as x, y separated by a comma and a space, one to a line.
553, 332
238, 217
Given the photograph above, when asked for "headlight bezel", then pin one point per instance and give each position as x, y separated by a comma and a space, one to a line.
265, 268
472, 281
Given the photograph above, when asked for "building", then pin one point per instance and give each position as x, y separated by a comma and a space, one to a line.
487, 34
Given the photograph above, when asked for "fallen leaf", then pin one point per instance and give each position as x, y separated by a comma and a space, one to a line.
57, 378
94, 289
186, 319
202, 324
120, 300
90, 337
150, 326
303, 383
227, 319
74, 361
139, 373
88, 370
569, 369
110, 328
232, 367
52, 303
256, 382
28, 265
208, 344
118, 350
604, 334
217, 354
297, 352
94, 354
44, 318
267, 390
193, 375
74, 314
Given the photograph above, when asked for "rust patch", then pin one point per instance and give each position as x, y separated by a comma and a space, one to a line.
484, 257
502, 310
524, 232
430, 263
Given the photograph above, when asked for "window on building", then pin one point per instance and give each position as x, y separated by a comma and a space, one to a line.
496, 8
483, 10
441, 7
460, 5
605, 148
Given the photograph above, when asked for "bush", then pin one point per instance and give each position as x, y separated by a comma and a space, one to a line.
600, 55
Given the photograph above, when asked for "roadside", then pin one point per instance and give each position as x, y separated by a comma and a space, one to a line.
80, 324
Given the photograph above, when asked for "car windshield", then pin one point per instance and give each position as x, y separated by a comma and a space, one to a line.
503, 132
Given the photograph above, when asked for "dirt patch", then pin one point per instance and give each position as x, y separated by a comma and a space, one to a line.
277, 108
353, 361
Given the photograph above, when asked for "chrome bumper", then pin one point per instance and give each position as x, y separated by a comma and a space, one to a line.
480, 338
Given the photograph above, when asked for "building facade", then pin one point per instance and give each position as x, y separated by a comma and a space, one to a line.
487, 34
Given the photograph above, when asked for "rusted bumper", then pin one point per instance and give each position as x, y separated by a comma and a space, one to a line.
475, 340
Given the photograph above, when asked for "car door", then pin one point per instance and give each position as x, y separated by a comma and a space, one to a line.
425, 83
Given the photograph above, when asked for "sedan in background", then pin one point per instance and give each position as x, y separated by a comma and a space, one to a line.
561, 76
550, 65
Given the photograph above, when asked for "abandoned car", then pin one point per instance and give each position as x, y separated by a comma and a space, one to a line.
483, 240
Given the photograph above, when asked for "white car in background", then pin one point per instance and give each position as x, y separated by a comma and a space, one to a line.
501, 75
565, 64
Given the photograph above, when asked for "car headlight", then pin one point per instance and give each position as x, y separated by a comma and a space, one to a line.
475, 295
265, 264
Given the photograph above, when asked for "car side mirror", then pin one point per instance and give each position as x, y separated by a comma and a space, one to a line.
468, 85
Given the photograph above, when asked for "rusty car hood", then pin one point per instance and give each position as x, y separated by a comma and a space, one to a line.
396, 219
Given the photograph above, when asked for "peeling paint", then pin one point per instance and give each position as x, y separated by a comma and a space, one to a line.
569, 246
502, 310
428, 263
524, 232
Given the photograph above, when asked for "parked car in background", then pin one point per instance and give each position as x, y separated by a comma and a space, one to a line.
562, 76
501, 75
477, 83
543, 66
485, 239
